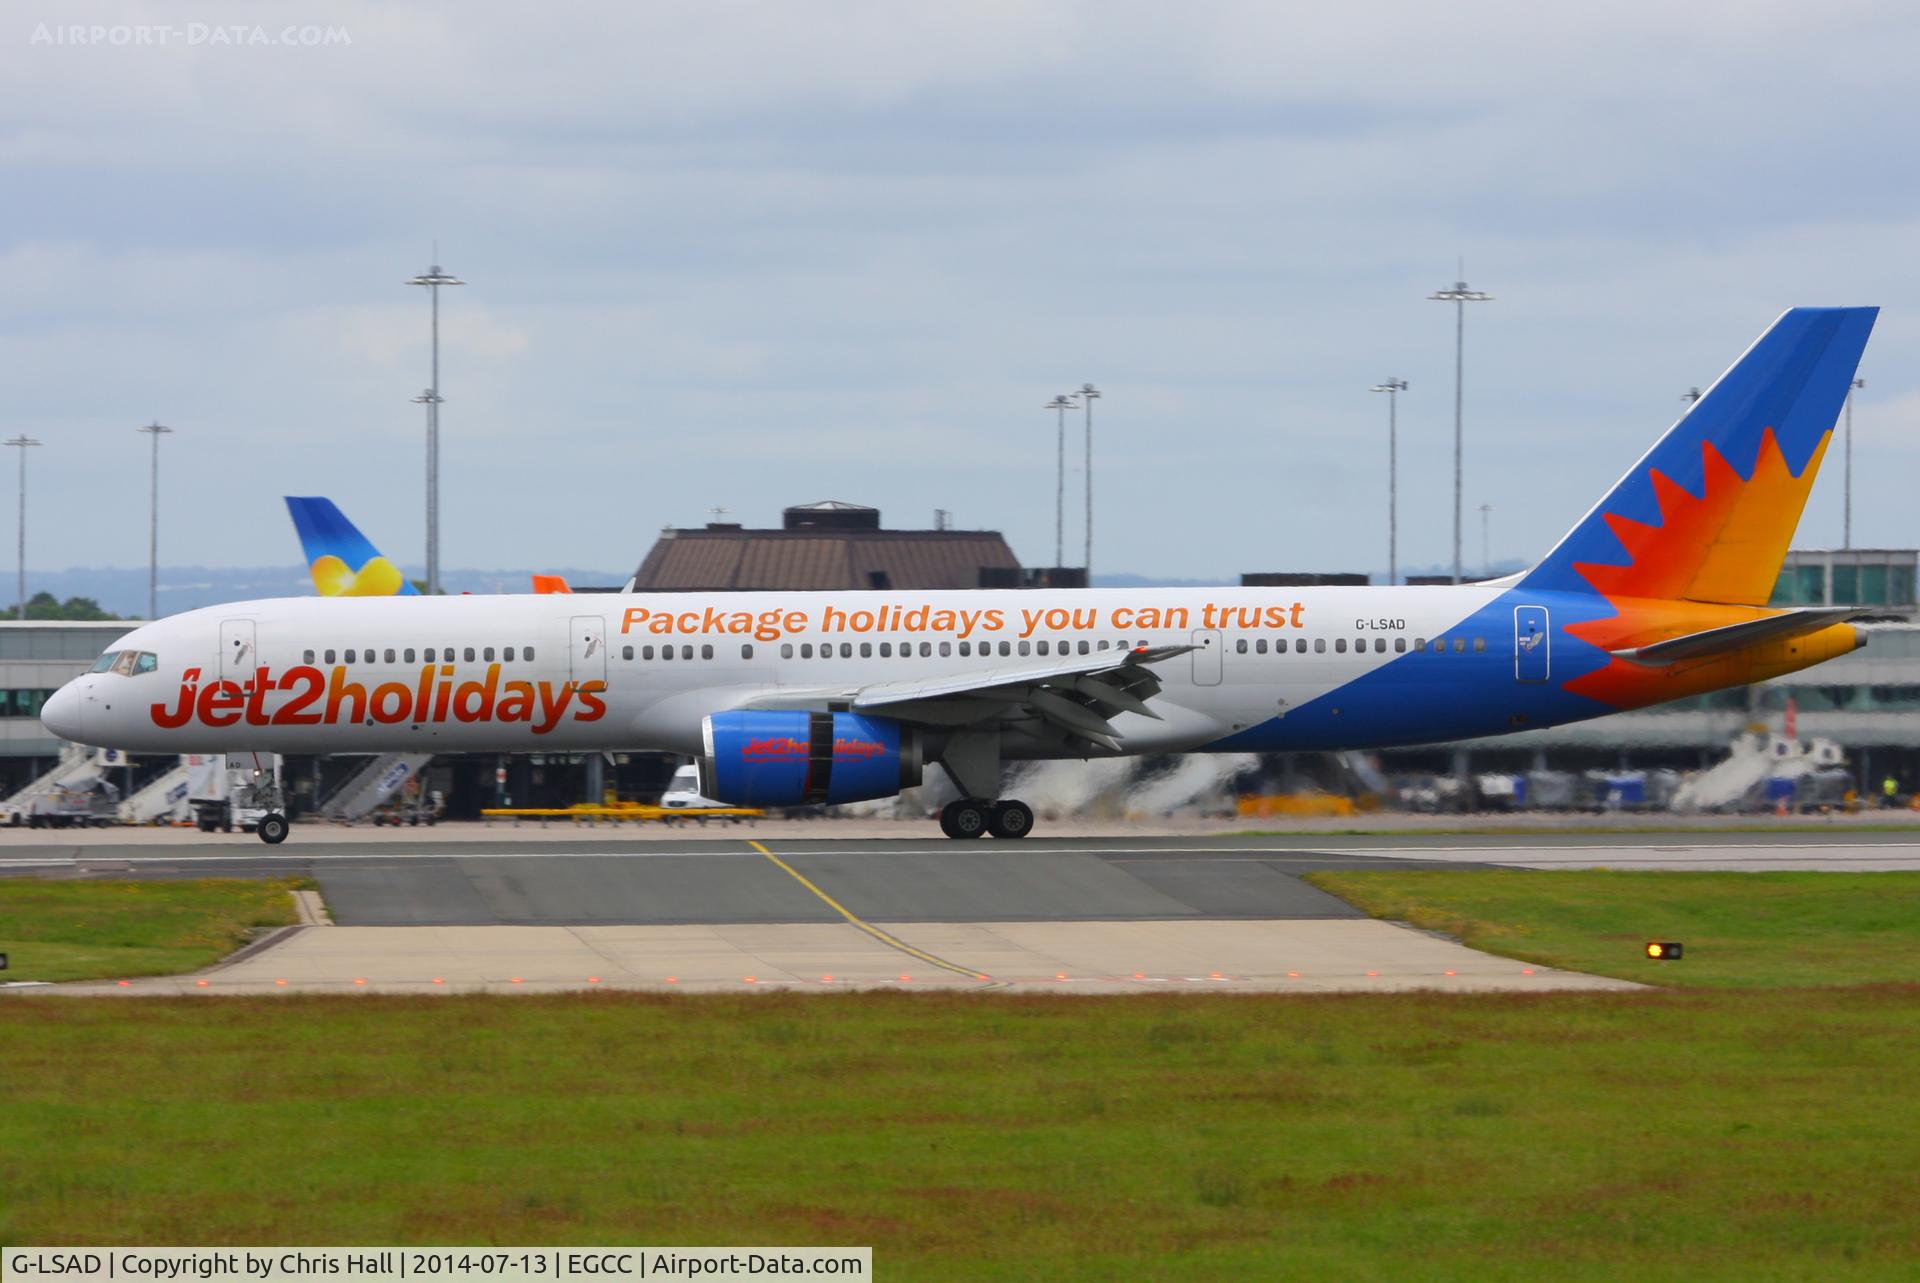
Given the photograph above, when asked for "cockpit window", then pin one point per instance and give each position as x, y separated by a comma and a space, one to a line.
127, 663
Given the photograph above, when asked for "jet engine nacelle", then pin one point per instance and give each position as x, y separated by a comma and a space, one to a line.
782, 758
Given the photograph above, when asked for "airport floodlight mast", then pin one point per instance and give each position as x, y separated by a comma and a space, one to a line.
1486, 557
156, 430
1846, 521
433, 278
1393, 388
1088, 394
21, 442
1460, 295
1060, 405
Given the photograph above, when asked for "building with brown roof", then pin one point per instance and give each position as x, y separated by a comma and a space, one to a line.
830, 545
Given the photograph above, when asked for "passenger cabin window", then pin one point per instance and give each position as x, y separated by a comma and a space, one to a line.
409, 658
646, 652
786, 650
1026, 648
349, 657
1399, 645
926, 649
428, 654
487, 654
1319, 645
507, 654
746, 650
1006, 648
469, 654
706, 652
527, 654
390, 655
806, 650
886, 650
1240, 646
1299, 645
1459, 645
329, 657
1340, 645
626, 652
306, 657
686, 652
1479, 644
946, 650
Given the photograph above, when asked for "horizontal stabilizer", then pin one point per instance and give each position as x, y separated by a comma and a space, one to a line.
1751, 632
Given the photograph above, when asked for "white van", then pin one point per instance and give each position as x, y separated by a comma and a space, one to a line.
683, 792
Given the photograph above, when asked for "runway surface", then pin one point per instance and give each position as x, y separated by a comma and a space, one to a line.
544, 910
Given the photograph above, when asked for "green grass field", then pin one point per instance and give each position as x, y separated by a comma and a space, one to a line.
1740, 929
104, 930
1716, 1133
1705, 1135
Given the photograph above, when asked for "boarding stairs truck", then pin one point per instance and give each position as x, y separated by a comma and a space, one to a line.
75, 762
373, 785
162, 799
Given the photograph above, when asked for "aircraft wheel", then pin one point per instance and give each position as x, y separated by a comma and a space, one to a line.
965, 818
1010, 819
273, 828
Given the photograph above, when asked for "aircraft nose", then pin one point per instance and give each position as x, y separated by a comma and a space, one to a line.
61, 713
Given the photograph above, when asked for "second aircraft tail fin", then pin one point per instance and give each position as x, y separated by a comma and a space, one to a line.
343, 562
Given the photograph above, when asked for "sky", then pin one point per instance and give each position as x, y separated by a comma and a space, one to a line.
746, 253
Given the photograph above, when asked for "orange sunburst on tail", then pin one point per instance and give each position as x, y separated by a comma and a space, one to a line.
1711, 560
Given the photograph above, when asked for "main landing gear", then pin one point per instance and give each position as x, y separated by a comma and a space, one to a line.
971, 818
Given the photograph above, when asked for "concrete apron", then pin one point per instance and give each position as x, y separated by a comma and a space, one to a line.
1290, 956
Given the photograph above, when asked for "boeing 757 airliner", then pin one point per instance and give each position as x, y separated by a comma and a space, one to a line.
789, 698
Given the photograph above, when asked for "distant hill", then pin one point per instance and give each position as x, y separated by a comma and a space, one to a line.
123, 591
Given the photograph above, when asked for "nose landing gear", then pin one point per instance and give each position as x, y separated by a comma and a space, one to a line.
972, 818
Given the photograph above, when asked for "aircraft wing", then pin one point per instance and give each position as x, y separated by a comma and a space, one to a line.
1715, 641
1076, 695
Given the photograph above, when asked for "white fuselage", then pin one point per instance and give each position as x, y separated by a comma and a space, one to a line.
641, 671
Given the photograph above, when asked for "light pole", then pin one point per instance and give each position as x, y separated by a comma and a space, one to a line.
156, 430
1846, 527
1060, 405
1088, 394
1393, 388
1459, 296
1486, 558
433, 278
22, 442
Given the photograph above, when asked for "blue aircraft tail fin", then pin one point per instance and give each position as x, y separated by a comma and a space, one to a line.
1707, 514
343, 562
